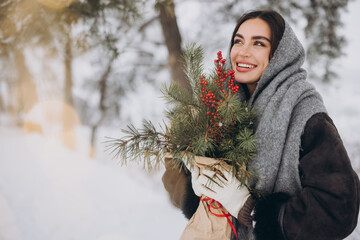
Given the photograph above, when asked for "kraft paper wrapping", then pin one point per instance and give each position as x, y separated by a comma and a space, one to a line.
204, 224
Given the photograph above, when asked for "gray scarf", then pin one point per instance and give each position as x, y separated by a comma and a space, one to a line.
283, 101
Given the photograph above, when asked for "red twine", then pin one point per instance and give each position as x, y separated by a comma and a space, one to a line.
211, 205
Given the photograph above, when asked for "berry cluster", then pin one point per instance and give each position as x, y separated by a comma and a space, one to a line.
209, 99
222, 76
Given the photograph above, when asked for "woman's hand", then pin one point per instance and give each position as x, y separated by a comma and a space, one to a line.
225, 189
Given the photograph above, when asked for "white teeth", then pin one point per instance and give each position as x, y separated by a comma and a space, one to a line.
243, 65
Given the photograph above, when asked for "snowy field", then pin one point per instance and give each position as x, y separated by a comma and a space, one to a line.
48, 192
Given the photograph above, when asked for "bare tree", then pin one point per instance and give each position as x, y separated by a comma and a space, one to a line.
172, 39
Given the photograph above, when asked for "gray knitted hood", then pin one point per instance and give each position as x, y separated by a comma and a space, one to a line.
284, 101
287, 61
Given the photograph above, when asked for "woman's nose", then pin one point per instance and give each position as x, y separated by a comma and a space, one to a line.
244, 51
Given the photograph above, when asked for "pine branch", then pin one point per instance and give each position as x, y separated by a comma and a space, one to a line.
174, 94
193, 56
146, 145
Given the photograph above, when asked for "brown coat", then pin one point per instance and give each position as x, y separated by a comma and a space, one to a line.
327, 206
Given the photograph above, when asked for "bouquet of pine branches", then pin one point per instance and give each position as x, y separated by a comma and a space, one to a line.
209, 121
208, 127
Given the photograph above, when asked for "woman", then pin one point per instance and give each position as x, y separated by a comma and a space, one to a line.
308, 187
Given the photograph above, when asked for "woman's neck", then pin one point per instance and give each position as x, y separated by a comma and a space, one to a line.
251, 88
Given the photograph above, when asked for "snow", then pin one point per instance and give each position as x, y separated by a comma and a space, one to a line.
48, 191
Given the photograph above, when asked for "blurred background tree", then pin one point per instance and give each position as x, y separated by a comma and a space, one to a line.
91, 54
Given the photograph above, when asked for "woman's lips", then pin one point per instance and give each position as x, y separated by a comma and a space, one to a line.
244, 66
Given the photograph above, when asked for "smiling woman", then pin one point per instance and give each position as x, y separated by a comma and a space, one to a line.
253, 43
306, 187
251, 51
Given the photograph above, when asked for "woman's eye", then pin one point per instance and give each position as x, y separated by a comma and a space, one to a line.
259, 44
237, 41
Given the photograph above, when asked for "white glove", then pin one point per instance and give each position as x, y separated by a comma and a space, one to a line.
197, 181
229, 192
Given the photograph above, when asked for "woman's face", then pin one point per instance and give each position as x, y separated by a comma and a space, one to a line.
250, 52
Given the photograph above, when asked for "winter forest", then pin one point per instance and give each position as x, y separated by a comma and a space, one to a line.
75, 72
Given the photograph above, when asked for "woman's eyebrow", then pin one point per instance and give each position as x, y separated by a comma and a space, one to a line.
239, 35
261, 37
253, 37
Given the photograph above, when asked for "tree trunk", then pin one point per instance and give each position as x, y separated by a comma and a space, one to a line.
26, 90
102, 106
2, 105
172, 38
68, 123
68, 73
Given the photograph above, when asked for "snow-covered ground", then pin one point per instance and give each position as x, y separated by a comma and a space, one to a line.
48, 191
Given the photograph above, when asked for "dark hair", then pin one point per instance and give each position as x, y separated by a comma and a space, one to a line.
275, 21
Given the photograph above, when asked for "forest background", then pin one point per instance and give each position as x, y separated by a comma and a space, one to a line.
74, 72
